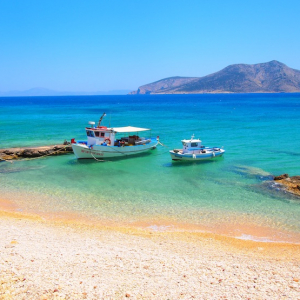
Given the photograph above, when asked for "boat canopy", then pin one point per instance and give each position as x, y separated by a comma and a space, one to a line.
191, 141
129, 129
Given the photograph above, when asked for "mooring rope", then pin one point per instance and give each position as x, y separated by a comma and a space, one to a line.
163, 144
102, 160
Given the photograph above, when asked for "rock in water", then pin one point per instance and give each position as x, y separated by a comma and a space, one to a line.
280, 177
292, 184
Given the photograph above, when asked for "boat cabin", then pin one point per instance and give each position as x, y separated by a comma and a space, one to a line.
191, 145
117, 136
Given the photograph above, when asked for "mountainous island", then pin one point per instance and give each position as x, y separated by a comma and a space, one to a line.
270, 77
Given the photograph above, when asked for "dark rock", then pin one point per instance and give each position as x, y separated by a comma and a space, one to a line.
28, 153
280, 177
43, 152
8, 152
35, 153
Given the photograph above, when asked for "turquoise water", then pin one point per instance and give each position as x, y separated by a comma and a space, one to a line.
260, 134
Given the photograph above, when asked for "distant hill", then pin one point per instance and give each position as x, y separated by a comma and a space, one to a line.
47, 92
164, 85
270, 77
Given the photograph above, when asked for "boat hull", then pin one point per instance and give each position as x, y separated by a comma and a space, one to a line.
196, 156
100, 152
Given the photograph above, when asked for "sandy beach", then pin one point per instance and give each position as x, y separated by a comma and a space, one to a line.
66, 260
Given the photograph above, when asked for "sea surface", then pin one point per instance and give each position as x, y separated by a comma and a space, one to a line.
233, 195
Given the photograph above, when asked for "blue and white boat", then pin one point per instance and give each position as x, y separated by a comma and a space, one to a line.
103, 142
193, 150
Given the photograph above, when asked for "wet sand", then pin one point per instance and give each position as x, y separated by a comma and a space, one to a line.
69, 259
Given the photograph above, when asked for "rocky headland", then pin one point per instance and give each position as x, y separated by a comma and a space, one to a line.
270, 77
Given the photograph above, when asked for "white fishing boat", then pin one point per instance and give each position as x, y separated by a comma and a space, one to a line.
193, 150
103, 142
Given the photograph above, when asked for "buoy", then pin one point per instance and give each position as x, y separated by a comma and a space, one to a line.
108, 141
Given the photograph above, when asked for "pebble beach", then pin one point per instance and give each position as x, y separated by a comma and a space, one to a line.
42, 259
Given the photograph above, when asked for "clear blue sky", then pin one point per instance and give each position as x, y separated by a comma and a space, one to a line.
95, 45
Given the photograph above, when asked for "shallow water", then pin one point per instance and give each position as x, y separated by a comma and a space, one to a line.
231, 195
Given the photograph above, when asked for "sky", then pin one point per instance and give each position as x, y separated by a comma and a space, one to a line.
95, 45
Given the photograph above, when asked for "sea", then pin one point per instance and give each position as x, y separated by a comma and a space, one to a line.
233, 195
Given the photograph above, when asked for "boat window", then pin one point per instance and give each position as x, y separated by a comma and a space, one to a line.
194, 144
90, 133
183, 143
102, 134
97, 133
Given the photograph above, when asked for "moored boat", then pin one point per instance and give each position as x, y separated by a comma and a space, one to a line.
193, 150
103, 142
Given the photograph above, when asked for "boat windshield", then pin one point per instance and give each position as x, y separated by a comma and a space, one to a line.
191, 144
90, 133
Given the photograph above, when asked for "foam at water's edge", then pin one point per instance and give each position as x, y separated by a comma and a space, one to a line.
248, 237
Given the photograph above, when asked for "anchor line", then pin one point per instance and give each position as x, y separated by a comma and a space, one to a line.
163, 144
95, 157
102, 160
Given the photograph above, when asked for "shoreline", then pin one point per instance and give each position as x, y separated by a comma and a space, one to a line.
72, 220
240, 230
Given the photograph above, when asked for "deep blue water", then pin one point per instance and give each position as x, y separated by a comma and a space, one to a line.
260, 133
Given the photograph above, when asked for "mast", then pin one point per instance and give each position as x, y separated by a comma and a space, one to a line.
104, 114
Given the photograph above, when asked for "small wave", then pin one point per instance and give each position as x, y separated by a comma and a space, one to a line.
248, 237
159, 227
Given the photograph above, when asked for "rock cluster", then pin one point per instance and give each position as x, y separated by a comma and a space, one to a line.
292, 184
20, 153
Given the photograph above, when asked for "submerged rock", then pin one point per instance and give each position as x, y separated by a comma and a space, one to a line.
252, 172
